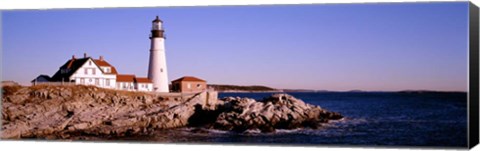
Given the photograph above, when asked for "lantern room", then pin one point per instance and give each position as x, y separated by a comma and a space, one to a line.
157, 24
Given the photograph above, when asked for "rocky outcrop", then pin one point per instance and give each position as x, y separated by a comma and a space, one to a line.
280, 111
66, 112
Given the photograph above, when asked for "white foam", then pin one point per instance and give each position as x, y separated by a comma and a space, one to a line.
288, 130
216, 131
253, 131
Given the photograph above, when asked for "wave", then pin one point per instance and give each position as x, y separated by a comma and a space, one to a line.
252, 131
347, 121
280, 131
334, 126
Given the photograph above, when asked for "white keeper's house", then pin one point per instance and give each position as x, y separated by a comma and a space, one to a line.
97, 72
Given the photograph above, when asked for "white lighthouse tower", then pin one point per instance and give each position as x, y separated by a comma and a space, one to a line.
157, 67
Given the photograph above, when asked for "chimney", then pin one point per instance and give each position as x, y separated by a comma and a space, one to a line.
84, 55
100, 58
73, 56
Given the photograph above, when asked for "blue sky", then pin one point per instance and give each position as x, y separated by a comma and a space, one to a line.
382, 46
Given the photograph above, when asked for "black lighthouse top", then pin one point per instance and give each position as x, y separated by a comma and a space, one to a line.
157, 20
157, 29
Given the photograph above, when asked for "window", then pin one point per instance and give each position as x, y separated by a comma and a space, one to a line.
90, 80
89, 62
97, 81
199, 86
82, 81
93, 71
86, 71
107, 82
161, 69
189, 86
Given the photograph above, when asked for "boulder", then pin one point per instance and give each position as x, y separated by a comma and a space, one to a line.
280, 111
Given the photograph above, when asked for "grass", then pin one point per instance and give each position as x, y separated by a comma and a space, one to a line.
9, 90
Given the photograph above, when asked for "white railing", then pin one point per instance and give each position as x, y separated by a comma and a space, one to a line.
53, 83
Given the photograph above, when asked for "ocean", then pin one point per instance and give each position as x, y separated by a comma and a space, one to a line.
371, 119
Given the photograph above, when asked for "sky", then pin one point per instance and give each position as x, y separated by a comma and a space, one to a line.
339, 47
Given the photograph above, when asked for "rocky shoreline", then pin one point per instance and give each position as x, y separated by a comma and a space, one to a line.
66, 112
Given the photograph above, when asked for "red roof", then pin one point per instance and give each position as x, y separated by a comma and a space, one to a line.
104, 63
70, 62
189, 78
125, 78
143, 80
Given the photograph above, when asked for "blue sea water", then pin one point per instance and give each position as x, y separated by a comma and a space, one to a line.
371, 119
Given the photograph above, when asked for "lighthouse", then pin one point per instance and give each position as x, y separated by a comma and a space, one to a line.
157, 67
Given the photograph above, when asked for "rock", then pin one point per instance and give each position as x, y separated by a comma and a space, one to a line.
97, 96
66, 112
80, 126
17, 99
278, 111
147, 100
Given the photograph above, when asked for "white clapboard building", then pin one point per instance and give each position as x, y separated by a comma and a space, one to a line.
97, 72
